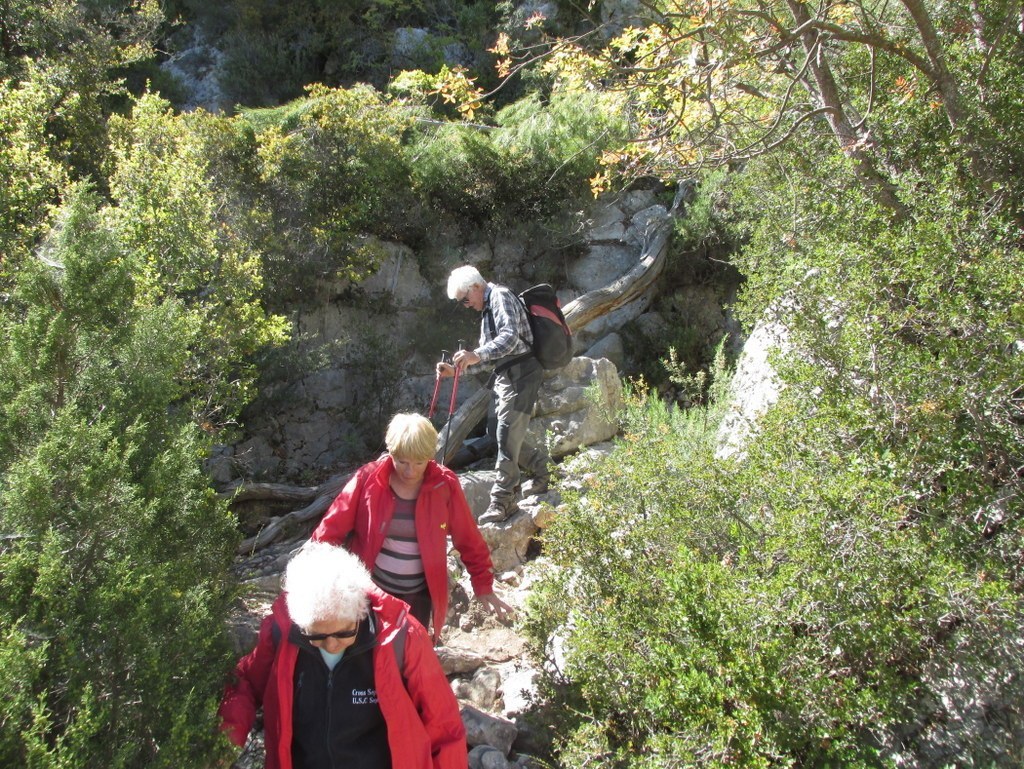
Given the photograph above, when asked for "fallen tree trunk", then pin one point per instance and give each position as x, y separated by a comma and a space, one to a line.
634, 284
461, 424
270, 492
325, 494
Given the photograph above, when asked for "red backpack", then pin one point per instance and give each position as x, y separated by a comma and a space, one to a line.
552, 339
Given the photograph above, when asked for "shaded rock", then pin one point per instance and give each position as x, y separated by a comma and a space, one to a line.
221, 464
644, 223
409, 45
487, 757
634, 201
197, 68
610, 347
255, 457
608, 224
482, 729
653, 326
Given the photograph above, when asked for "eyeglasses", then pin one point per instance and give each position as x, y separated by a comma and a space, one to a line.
341, 635
464, 301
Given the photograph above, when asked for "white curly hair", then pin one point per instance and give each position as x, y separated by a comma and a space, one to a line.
324, 582
464, 278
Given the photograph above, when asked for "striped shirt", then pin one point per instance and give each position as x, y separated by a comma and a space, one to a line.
399, 568
510, 334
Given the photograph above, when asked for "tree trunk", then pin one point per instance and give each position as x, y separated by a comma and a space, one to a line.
949, 87
325, 494
852, 141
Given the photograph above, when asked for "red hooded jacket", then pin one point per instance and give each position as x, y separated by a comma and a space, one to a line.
364, 509
425, 729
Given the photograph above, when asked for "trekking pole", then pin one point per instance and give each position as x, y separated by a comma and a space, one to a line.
437, 386
451, 407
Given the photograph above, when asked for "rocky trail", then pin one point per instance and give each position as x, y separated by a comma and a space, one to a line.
487, 663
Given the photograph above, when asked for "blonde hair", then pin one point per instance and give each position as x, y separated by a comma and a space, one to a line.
464, 278
411, 437
324, 582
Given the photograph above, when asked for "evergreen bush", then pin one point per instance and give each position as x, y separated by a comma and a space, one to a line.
114, 550
801, 604
333, 171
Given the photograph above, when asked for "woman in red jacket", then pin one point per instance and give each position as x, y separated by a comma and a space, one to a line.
344, 676
397, 513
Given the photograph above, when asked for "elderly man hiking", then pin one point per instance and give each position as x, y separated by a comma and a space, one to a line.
505, 339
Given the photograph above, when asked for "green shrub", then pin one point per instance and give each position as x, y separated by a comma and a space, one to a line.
457, 171
173, 212
115, 552
781, 609
333, 171
30, 176
538, 158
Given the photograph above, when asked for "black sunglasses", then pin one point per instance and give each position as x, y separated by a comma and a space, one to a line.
341, 635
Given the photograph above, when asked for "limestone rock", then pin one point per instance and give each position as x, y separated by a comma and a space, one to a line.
603, 263
509, 540
483, 690
610, 347
577, 406
755, 387
458, 661
482, 729
398, 276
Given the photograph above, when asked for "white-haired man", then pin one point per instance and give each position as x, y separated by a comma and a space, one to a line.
505, 340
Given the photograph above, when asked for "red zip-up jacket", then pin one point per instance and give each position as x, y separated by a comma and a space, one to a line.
364, 510
425, 729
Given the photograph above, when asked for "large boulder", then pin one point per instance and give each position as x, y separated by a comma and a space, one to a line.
577, 406
755, 387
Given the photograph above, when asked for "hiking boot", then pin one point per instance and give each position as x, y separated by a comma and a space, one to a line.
497, 512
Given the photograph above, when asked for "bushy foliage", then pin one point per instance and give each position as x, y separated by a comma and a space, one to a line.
113, 563
777, 610
30, 177
333, 170
540, 155
169, 210
812, 601
56, 89
78, 53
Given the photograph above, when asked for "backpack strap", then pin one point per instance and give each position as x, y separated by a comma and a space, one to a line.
509, 362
